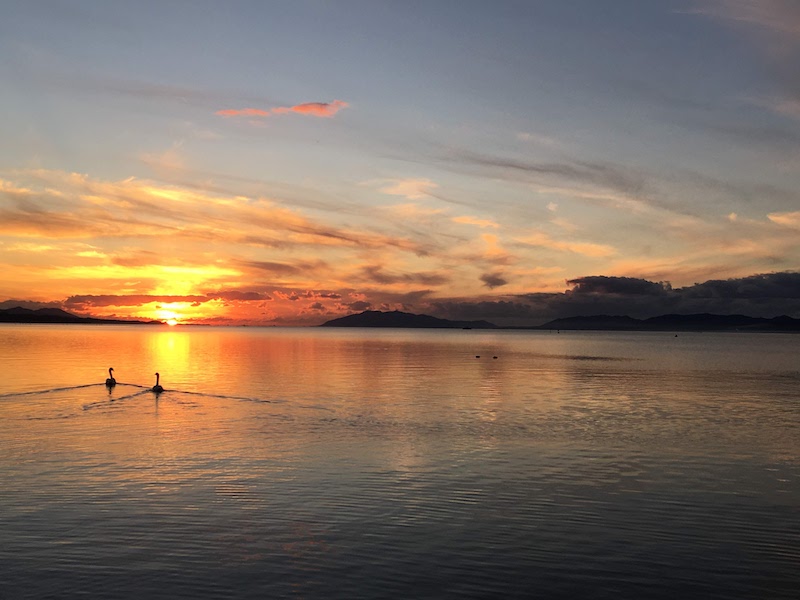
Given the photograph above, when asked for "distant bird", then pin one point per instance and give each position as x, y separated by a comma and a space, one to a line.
157, 388
111, 382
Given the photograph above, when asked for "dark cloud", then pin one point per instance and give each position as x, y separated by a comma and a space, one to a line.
358, 306
87, 302
31, 304
376, 274
317, 306
501, 311
763, 295
273, 267
606, 175
493, 280
772, 285
600, 284
238, 295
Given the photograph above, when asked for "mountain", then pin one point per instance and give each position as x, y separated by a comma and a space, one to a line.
695, 322
55, 315
376, 318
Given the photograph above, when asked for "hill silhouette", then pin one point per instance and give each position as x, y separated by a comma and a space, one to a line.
671, 322
56, 315
396, 318
693, 322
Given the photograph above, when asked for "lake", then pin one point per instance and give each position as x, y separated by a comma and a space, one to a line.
369, 463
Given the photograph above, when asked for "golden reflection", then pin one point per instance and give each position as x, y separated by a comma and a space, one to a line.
171, 349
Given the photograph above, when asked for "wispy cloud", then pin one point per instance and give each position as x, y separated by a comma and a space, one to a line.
589, 249
782, 16
413, 189
377, 274
312, 109
477, 221
787, 219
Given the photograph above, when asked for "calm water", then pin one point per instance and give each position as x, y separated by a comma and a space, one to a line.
312, 463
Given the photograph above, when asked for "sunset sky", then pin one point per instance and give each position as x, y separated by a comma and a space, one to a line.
290, 162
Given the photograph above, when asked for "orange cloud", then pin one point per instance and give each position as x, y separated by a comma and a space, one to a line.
543, 240
314, 109
243, 112
787, 219
468, 220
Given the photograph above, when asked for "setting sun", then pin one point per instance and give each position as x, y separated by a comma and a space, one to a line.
172, 322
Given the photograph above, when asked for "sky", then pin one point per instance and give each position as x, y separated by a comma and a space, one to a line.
286, 163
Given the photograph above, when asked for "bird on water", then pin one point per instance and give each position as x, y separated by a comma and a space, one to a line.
157, 387
111, 382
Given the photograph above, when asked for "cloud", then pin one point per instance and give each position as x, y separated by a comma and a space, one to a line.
467, 220
413, 189
312, 109
774, 25
784, 285
618, 285
243, 112
542, 140
238, 295
275, 268
584, 248
376, 274
779, 16
763, 295
606, 175
493, 280
358, 306
787, 219
87, 302
31, 304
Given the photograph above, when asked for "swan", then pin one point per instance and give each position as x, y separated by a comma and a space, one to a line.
111, 382
157, 388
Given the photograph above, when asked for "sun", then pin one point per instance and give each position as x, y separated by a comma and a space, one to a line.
170, 317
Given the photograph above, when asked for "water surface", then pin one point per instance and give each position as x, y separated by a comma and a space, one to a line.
396, 463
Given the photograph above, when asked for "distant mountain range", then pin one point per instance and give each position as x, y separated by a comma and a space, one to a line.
396, 318
56, 315
697, 322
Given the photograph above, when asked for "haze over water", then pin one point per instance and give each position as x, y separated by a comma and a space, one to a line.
397, 464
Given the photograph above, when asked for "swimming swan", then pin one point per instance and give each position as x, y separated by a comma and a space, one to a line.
157, 388
111, 382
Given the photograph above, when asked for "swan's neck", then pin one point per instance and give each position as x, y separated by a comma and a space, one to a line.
157, 378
